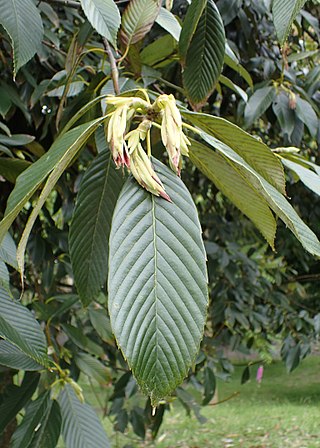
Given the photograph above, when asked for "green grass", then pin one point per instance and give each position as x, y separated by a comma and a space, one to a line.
283, 412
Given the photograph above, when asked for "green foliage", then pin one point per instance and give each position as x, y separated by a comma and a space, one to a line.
62, 201
157, 284
41, 424
91, 224
22, 21
81, 427
227, 178
284, 13
18, 326
201, 47
104, 16
138, 18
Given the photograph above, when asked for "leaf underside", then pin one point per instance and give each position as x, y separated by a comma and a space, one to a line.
137, 20
18, 326
253, 151
157, 283
225, 176
104, 16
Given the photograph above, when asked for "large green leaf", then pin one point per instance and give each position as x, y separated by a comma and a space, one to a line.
14, 398
4, 275
277, 202
285, 115
169, 23
11, 168
41, 424
253, 151
11, 356
232, 61
307, 115
81, 340
31, 178
53, 178
308, 177
258, 103
93, 368
8, 252
18, 326
226, 177
137, 19
228, 83
202, 61
104, 16
101, 323
81, 427
284, 13
90, 227
157, 283
22, 21
190, 24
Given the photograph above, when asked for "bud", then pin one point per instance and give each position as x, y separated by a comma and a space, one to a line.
142, 170
172, 135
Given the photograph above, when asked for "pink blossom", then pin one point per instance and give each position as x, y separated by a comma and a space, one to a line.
259, 374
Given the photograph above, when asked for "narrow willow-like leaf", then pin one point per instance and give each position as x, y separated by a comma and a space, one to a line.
14, 398
157, 283
22, 21
11, 356
204, 57
18, 326
277, 202
104, 16
227, 178
253, 151
81, 427
284, 14
40, 426
28, 182
137, 20
90, 227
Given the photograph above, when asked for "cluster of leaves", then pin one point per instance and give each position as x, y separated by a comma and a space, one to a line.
157, 292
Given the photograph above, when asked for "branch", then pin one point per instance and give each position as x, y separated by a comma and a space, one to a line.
113, 65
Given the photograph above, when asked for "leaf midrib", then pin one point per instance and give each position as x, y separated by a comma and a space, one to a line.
153, 214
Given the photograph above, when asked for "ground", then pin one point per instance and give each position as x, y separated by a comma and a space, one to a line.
284, 411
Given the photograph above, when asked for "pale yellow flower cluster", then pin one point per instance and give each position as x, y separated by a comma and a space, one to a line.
126, 107
173, 138
126, 146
